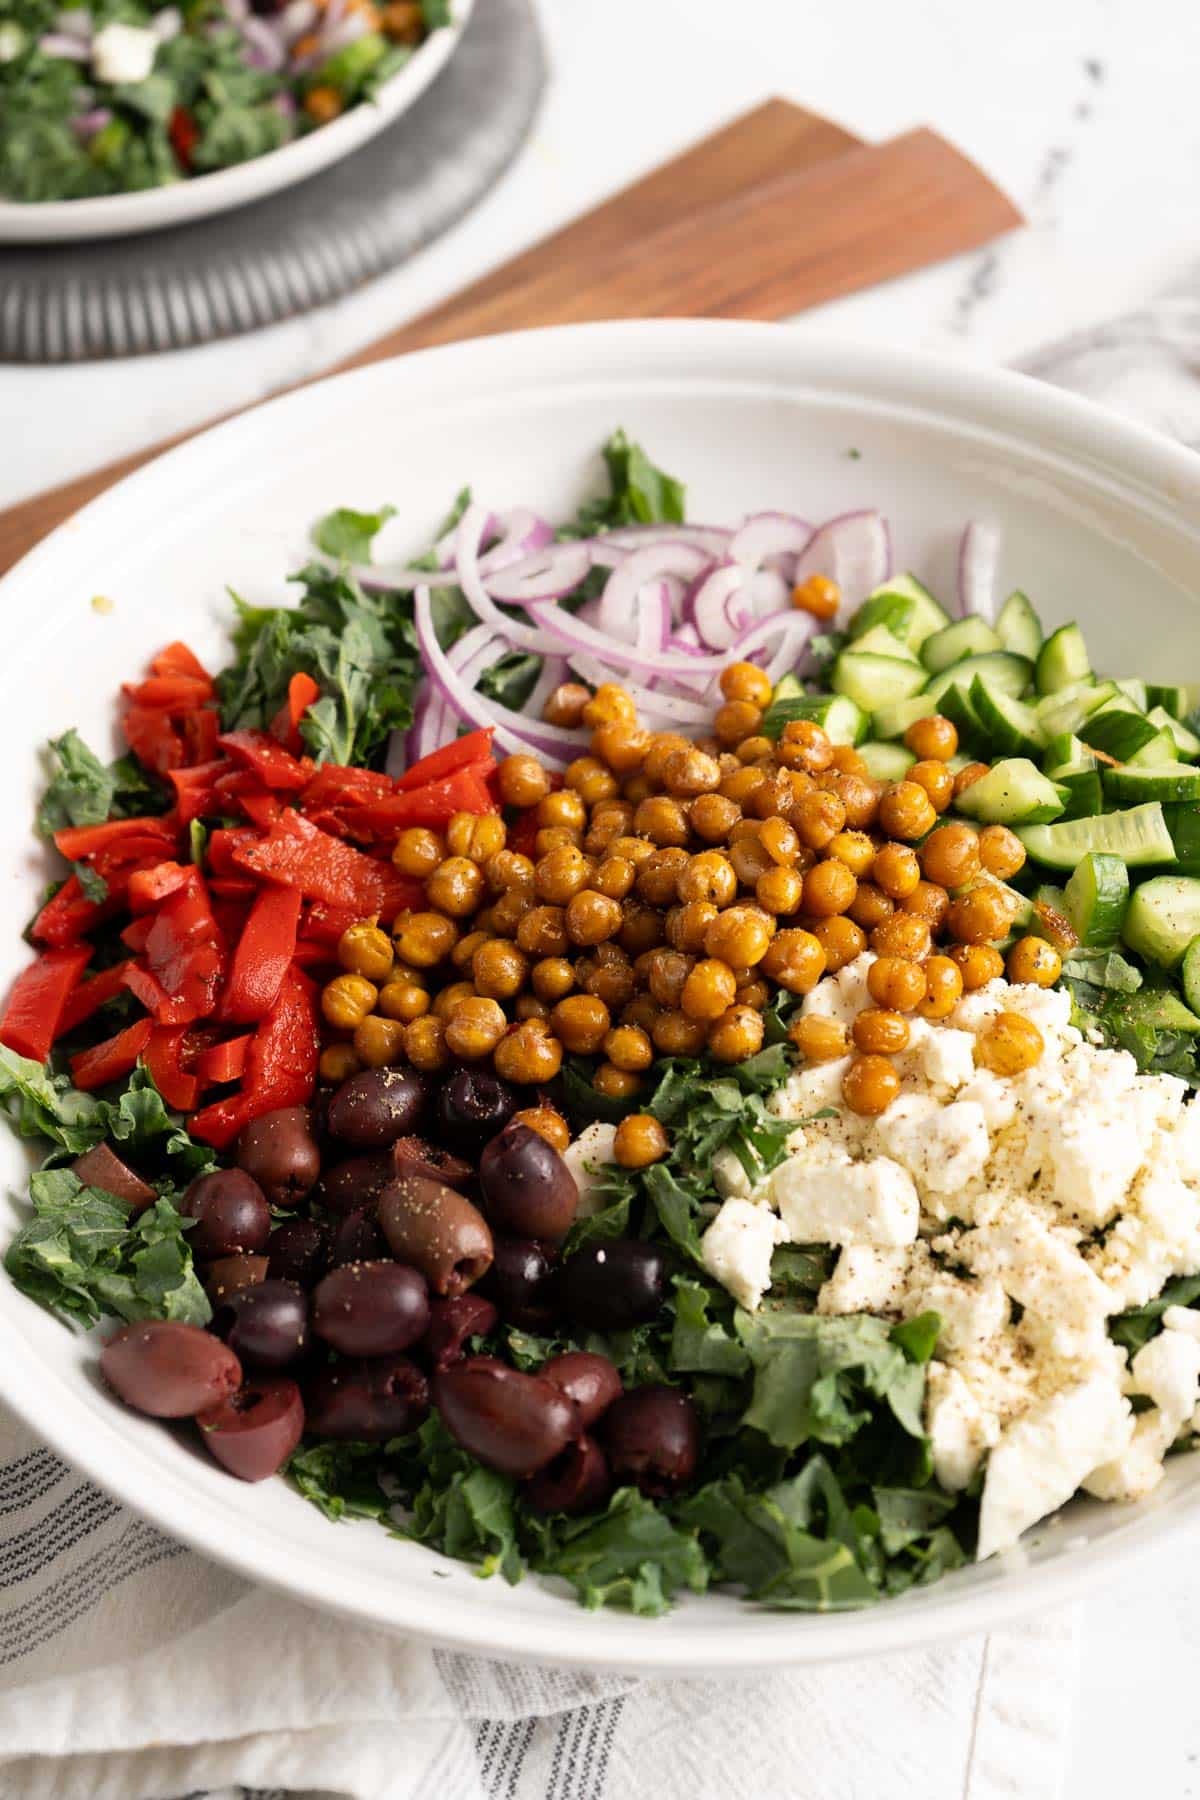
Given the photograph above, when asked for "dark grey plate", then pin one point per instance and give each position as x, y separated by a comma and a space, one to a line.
168, 290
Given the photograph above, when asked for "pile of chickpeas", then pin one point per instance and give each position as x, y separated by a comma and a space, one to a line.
671, 887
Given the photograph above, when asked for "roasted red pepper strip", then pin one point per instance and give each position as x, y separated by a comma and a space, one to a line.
475, 747
266, 758
184, 952
195, 793
297, 854
69, 914
221, 845
178, 693
135, 934
324, 924
261, 809
281, 1066
112, 1059
434, 805
38, 1000
165, 1056
302, 691
89, 996
177, 659
223, 1062
79, 841
148, 888
153, 739
200, 730
333, 785
263, 953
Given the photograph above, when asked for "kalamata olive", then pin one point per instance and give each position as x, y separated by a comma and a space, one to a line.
473, 1106
592, 1382
577, 1481
370, 1309
230, 1274
253, 1432
357, 1238
512, 1422
416, 1156
452, 1322
352, 1185
437, 1230
522, 1284
367, 1402
169, 1369
101, 1167
614, 1283
280, 1152
375, 1107
231, 1213
528, 1189
299, 1251
652, 1436
266, 1327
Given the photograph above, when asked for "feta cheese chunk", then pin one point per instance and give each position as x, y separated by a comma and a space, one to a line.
959, 1428
943, 1147
948, 1057
1044, 1456
832, 1200
585, 1157
123, 53
869, 1280
737, 1249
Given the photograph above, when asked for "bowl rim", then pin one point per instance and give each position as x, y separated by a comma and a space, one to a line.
222, 190
1154, 474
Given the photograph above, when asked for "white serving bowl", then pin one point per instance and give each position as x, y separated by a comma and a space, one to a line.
1101, 522
120, 215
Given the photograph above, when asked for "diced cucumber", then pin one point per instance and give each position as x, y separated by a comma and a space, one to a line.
1066, 751
1008, 725
1163, 918
893, 721
1189, 974
927, 617
1134, 688
1117, 730
1018, 626
998, 668
1183, 823
971, 636
955, 705
879, 641
1167, 781
1187, 744
875, 681
1067, 709
1139, 836
1172, 699
886, 762
1159, 749
1013, 792
895, 611
1062, 660
1095, 898
1081, 789
844, 722
788, 687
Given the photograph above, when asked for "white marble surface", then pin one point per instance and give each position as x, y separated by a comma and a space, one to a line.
1085, 111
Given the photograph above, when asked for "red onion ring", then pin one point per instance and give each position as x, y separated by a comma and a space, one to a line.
978, 562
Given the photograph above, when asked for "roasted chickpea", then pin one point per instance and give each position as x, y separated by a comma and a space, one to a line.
1000, 851
1010, 1044
347, 1000
662, 820
528, 1055
736, 721
675, 1034
709, 876
664, 973
780, 841
465, 949
936, 780
621, 745
739, 784
896, 983
477, 836
819, 596
610, 703
499, 969
737, 1034
930, 903
658, 877
642, 927
1035, 961
592, 917
451, 996
903, 934
565, 706
565, 807
641, 1011
522, 781
508, 869
855, 849
977, 964
747, 856
338, 1063
906, 811
818, 1039
548, 1124
561, 874
932, 739
848, 761
425, 1044
636, 788
896, 870
628, 1047
817, 817
796, 960
708, 990
614, 878
609, 820
552, 977
543, 932
950, 855
691, 772
745, 681
871, 906
608, 975
636, 850
713, 817
418, 852
614, 1083
943, 988
879, 1032
507, 910
363, 949
780, 891
860, 797
554, 837
803, 744
968, 776
456, 887
663, 746
841, 940
979, 916
755, 994
581, 1023
474, 1027
687, 925
588, 777
640, 1141
403, 999
829, 888
757, 751
870, 1085
739, 936
528, 1006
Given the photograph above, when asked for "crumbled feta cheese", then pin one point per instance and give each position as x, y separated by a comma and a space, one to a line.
1182, 1318
972, 1312
959, 1428
948, 1057
871, 1280
585, 1157
832, 1200
942, 1147
123, 53
1186, 1139
994, 1095
737, 1249
1043, 1457
729, 1177
810, 1090
1167, 1371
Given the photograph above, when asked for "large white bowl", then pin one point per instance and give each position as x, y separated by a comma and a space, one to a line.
120, 215
1101, 522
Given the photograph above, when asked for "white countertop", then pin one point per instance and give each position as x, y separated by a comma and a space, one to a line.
1084, 110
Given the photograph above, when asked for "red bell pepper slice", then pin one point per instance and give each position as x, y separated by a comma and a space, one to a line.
261, 809
184, 952
79, 841
135, 934
281, 1066
154, 997
262, 956
324, 923
177, 659
297, 854
195, 793
153, 739
38, 1000
91, 995
266, 758
475, 747
302, 691
200, 730
70, 914
222, 1063
333, 785
178, 693
433, 805
148, 888
164, 1056
110, 1060
221, 845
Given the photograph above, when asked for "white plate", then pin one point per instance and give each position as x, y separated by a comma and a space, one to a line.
1101, 522
120, 215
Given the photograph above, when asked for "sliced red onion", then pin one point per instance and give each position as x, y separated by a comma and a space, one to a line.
523, 531
554, 672
654, 615
547, 574
521, 637
87, 124
474, 652
712, 538
265, 50
853, 550
573, 632
721, 607
296, 18
978, 562
346, 31
463, 699
618, 611
284, 104
71, 49
769, 534
167, 24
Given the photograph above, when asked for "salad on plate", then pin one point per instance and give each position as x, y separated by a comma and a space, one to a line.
655, 1053
122, 95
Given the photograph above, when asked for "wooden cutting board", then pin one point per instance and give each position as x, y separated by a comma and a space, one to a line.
776, 212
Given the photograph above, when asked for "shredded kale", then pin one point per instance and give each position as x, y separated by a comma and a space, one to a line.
639, 493
84, 791
348, 535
